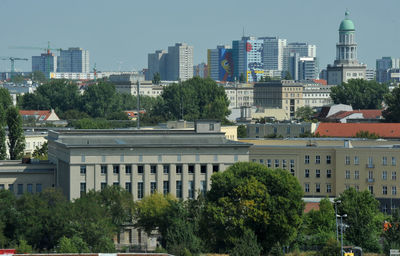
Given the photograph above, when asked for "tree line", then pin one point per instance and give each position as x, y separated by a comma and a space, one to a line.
249, 210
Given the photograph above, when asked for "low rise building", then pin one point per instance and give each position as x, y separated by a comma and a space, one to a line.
316, 95
239, 95
349, 130
276, 130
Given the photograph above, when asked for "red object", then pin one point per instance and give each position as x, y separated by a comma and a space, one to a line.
248, 47
384, 130
7, 251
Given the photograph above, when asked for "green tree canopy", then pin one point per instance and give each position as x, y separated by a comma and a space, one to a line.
363, 218
41, 152
156, 78
251, 196
101, 99
16, 138
360, 94
305, 113
5, 98
3, 148
242, 131
392, 100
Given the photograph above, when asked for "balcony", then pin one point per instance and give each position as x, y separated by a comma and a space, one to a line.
370, 166
370, 180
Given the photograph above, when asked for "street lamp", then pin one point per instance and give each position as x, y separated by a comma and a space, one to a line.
341, 231
337, 232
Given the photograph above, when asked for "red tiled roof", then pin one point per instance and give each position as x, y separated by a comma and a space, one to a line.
38, 114
320, 81
367, 114
311, 206
384, 130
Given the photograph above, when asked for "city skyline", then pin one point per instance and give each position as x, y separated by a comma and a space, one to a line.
119, 35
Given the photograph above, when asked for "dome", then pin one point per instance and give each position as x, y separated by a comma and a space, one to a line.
347, 24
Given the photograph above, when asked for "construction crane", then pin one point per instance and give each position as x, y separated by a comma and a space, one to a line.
47, 49
13, 59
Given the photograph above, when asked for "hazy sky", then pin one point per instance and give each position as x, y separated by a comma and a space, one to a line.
120, 33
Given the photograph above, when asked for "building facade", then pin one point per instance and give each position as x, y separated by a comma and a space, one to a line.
346, 65
157, 64
74, 60
239, 95
273, 53
247, 58
285, 130
45, 63
301, 49
316, 95
220, 63
384, 67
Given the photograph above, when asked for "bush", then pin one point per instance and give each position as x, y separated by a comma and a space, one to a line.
331, 248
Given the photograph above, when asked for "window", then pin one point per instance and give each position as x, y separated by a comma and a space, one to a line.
83, 169
370, 175
159, 158
115, 169
384, 190
140, 169
166, 187
284, 165
128, 187
393, 160
317, 188
307, 173
178, 158
371, 189
115, 184
394, 175
140, 190
179, 169
317, 159
179, 189
384, 160
29, 188
356, 160
11, 187
370, 162
269, 163
103, 169
203, 187
347, 160
357, 187
328, 188
153, 187
38, 188
276, 163
1, 186
384, 175
211, 127
215, 158
328, 159
128, 169
103, 185
394, 190
356, 175
215, 168
83, 188
347, 186
166, 168
317, 173
347, 174
307, 187
153, 169
203, 169
306, 159
191, 169
191, 189
329, 174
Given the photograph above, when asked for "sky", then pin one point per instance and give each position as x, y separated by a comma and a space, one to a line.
120, 33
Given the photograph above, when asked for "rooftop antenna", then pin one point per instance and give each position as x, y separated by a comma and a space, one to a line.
243, 32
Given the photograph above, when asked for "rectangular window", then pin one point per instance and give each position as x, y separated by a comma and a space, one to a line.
179, 189
159, 158
307, 173
128, 187
370, 162
317, 173
394, 175
356, 160
317, 159
198, 158
347, 160
153, 169
215, 168
306, 159
215, 158
384, 160
191, 169
203, 187
83, 188
329, 174
261, 161
384, 190
153, 187
115, 183
347, 174
307, 187
103, 159
103, 169
140, 169
38, 188
317, 188
116, 169
128, 169
165, 168
103, 185
328, 188
140, 158
1, 186
384, 175
269, 163
357, 187
328, 159
11, 187
356, 175
393, 160
166, 187
347, 186
370, 175
371, 189
203, 169
394, 190
83, 169
29, 188
179, 169
121, 158
276, 163
140, 190
191, 189
284, 165
83, 159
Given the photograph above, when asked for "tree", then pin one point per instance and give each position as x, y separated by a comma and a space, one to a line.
23, 247
392, 100
249, 196
72, 245
331, 248
3, 149
242, 131
38, 76
101, 99
288, 76
42, 152
391, 232
360, 94
242, 79
156, 78
246, 245
305, 113
5, 98
363, 218
16, 138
